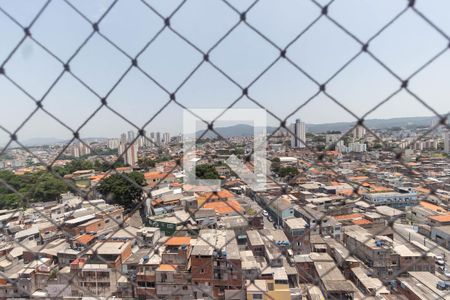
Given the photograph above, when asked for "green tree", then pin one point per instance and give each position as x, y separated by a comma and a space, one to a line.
287, 171
275, 165
40, 186
119, 190
10, 201
146, 163
104, 166
105, 151
239, 151
205, 171
377, 146
333, 132
47, 188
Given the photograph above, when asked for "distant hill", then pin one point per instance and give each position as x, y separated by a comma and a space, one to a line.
372, 123
229, 131
247, 130
41, 141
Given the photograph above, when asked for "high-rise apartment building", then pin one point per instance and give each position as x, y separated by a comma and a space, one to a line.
121, 149
299, 138
113, 143
447, 142
128, 148
123, 138
80, 149
332, 138
75, 151
158, 139
131, 156
166, 138
130, 136
359, 132
140, 141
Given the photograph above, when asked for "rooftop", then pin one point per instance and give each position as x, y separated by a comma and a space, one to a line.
178, 241
225, 207
85, 239
110, 248
362, 222
328, 271
80, 220
440, 218
166, 267
295, 223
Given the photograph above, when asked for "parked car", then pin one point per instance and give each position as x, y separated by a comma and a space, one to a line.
270, 219
439, 259
265, 213
443, 285
447, 272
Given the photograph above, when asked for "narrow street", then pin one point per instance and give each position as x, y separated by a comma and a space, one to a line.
407, 233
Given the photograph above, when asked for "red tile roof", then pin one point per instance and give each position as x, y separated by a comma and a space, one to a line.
361, 222
166, 267
85, 239
178, 241
441, 218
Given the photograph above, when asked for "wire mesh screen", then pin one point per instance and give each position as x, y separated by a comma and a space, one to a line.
353, 210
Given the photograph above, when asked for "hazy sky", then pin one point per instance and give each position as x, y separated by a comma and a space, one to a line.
404, 47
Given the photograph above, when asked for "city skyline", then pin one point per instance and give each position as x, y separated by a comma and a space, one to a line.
42, 140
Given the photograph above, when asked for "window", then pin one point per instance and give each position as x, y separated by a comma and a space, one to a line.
257, 296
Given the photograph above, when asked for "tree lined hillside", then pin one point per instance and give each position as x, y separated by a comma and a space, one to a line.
35, 187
